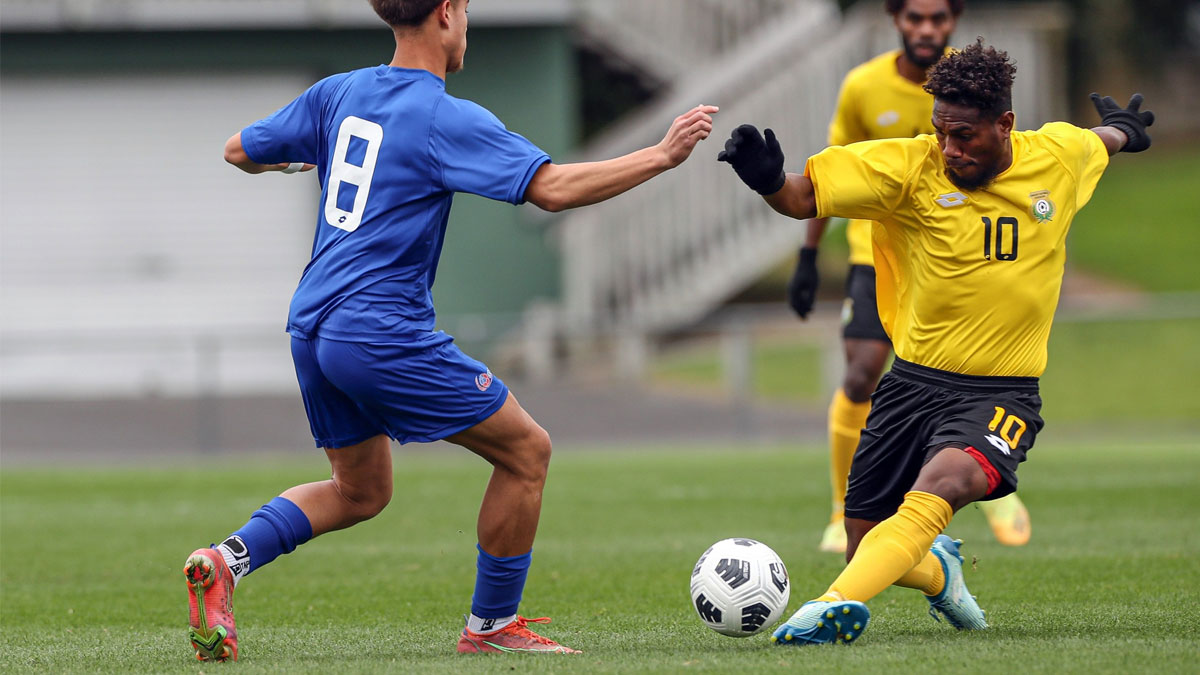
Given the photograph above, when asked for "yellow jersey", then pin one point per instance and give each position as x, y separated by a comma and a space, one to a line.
876, 102
967, 281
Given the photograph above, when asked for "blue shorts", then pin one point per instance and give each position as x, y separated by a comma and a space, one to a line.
356, 390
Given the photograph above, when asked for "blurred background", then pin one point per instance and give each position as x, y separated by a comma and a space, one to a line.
144, 283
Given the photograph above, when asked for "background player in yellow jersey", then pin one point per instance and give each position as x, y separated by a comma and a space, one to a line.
882, 98
969, 237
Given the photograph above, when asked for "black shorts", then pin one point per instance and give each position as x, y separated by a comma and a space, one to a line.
860, 314
918, 411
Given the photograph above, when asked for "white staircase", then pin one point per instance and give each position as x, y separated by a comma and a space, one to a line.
670, 38
671, 251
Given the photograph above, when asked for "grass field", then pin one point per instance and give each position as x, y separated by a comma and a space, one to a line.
91, 561
1141, 225
1110, 372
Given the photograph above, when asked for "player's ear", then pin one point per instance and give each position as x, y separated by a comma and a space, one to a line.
1006, 122
444, 12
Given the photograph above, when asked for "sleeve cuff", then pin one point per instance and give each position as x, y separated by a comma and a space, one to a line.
517, 195
251, 147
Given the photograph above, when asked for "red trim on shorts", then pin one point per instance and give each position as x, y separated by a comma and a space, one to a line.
993, 476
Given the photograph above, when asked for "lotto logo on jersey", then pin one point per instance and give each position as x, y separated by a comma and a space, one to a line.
484, 380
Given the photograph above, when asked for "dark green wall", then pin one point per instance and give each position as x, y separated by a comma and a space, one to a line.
494, 260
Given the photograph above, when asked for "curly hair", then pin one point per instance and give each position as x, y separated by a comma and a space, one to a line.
894, 7
404, 12
978, 77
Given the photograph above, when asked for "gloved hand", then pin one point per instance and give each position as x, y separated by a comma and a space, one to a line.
802, 289
758, 162
1128, 120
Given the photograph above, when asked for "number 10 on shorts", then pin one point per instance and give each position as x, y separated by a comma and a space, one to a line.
1011, 428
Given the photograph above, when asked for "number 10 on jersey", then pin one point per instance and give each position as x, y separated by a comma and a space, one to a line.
1006, 235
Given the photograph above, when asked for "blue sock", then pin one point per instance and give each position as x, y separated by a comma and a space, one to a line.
277, 528
499, 583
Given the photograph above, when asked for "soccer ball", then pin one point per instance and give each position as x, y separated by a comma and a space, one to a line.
739, 587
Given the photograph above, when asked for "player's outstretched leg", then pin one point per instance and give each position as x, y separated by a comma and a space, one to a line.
1009, 520
955, 602
821, 622
210, 601
514, 638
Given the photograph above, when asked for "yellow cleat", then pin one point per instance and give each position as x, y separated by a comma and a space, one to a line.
834, 538
1009, 520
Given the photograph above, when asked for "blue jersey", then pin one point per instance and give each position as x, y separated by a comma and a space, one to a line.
391, 149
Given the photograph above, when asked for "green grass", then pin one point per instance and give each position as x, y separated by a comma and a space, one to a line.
780, 369
1133, 371
1114, 372
90, 575
1143, 222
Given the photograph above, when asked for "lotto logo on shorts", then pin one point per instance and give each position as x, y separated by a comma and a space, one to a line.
483, 380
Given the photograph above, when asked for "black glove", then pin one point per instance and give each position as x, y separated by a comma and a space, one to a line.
802, 289
1128, 120
757, 162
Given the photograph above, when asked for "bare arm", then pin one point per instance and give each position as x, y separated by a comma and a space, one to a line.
796, 199
236, 155
556, 187
816, 230
1114, 139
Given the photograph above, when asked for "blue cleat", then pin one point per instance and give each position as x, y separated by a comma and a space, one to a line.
954, 602
820, 622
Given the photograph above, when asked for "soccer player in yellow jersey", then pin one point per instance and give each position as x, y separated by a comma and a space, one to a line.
882, 98
969, 238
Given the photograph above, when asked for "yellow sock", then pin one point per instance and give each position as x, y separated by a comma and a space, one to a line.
892, 548
927, 577
846, 421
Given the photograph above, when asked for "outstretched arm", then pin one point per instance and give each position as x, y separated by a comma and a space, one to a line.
1124, 129
236, 155
556, 187
796, 198
758, 161
1112, 138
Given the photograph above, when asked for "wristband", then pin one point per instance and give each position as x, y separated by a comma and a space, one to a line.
294, 167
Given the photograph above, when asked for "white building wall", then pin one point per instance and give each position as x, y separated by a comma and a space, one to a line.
130, 252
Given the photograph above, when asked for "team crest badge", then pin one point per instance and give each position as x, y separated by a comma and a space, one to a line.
1042, 208
483, 380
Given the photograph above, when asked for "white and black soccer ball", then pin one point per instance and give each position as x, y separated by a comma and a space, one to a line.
739, 587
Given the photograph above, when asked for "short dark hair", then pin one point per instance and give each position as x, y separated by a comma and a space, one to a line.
894, 7
978, 77
404, 12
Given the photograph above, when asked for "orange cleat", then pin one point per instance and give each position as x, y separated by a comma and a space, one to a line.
833, 540
515, 637
210, 601
1009, 520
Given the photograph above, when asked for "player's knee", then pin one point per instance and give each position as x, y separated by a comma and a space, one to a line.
534, 457
366, 500
958, 488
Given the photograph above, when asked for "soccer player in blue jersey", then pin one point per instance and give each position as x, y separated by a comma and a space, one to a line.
391, 148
